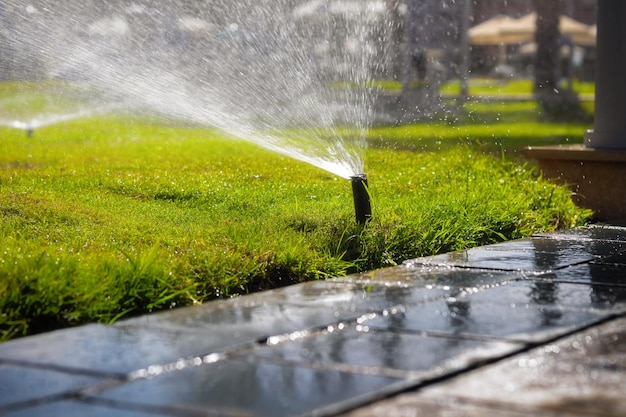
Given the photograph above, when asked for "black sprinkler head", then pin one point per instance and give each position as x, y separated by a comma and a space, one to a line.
30, 132
360, 192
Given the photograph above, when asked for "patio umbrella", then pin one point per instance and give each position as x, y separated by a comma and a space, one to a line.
523, 30
489, 31
590, 40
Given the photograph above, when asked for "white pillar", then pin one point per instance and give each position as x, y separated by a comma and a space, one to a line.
609, 130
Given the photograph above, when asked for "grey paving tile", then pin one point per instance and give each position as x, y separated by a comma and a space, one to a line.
594, 232
542, 291
532, 254
298, 307
432, 276
358, 296
246, 320
601, 348
351, 347
589, 273
519, 311
114, 349
616, 259
259, 389
21, 384
584, 373
83, 409
410, 405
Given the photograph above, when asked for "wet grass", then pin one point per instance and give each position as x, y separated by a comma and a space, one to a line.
26, 100
493, 87
109, 217
492, 127
490, 87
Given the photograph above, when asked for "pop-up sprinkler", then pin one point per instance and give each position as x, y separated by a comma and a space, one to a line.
362, 206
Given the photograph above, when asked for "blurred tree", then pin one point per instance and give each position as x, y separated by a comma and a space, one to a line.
547, 39
556, 103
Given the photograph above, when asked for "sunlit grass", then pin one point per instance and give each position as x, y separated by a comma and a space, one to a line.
108, 217
26, 100
493, 127
490, 87
493, 87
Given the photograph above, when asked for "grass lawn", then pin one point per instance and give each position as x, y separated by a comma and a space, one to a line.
492, 87
107, 217
494, 127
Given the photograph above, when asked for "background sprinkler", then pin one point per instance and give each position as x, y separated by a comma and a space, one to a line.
30, 132
361, 195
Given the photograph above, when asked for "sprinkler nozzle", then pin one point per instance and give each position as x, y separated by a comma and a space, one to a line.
30, 132
360, 192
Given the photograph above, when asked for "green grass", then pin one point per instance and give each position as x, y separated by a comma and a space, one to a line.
494, 127
109, 217
25, 100
490, 87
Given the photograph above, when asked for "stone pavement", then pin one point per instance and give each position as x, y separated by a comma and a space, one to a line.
530, 327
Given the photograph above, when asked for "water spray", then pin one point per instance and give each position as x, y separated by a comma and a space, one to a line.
360, 193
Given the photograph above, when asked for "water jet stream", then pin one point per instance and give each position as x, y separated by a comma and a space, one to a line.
256, 69
42, 120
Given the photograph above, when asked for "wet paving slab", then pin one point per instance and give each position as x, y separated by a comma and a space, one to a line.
542, 291
332, 347
18, 381
240, 387
599, 232
594, 274
357, 348
110, 351
430, 277
75, 408
580, 375
535, 254
485, 321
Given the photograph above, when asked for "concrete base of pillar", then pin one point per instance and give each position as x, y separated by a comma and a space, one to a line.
597, 177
